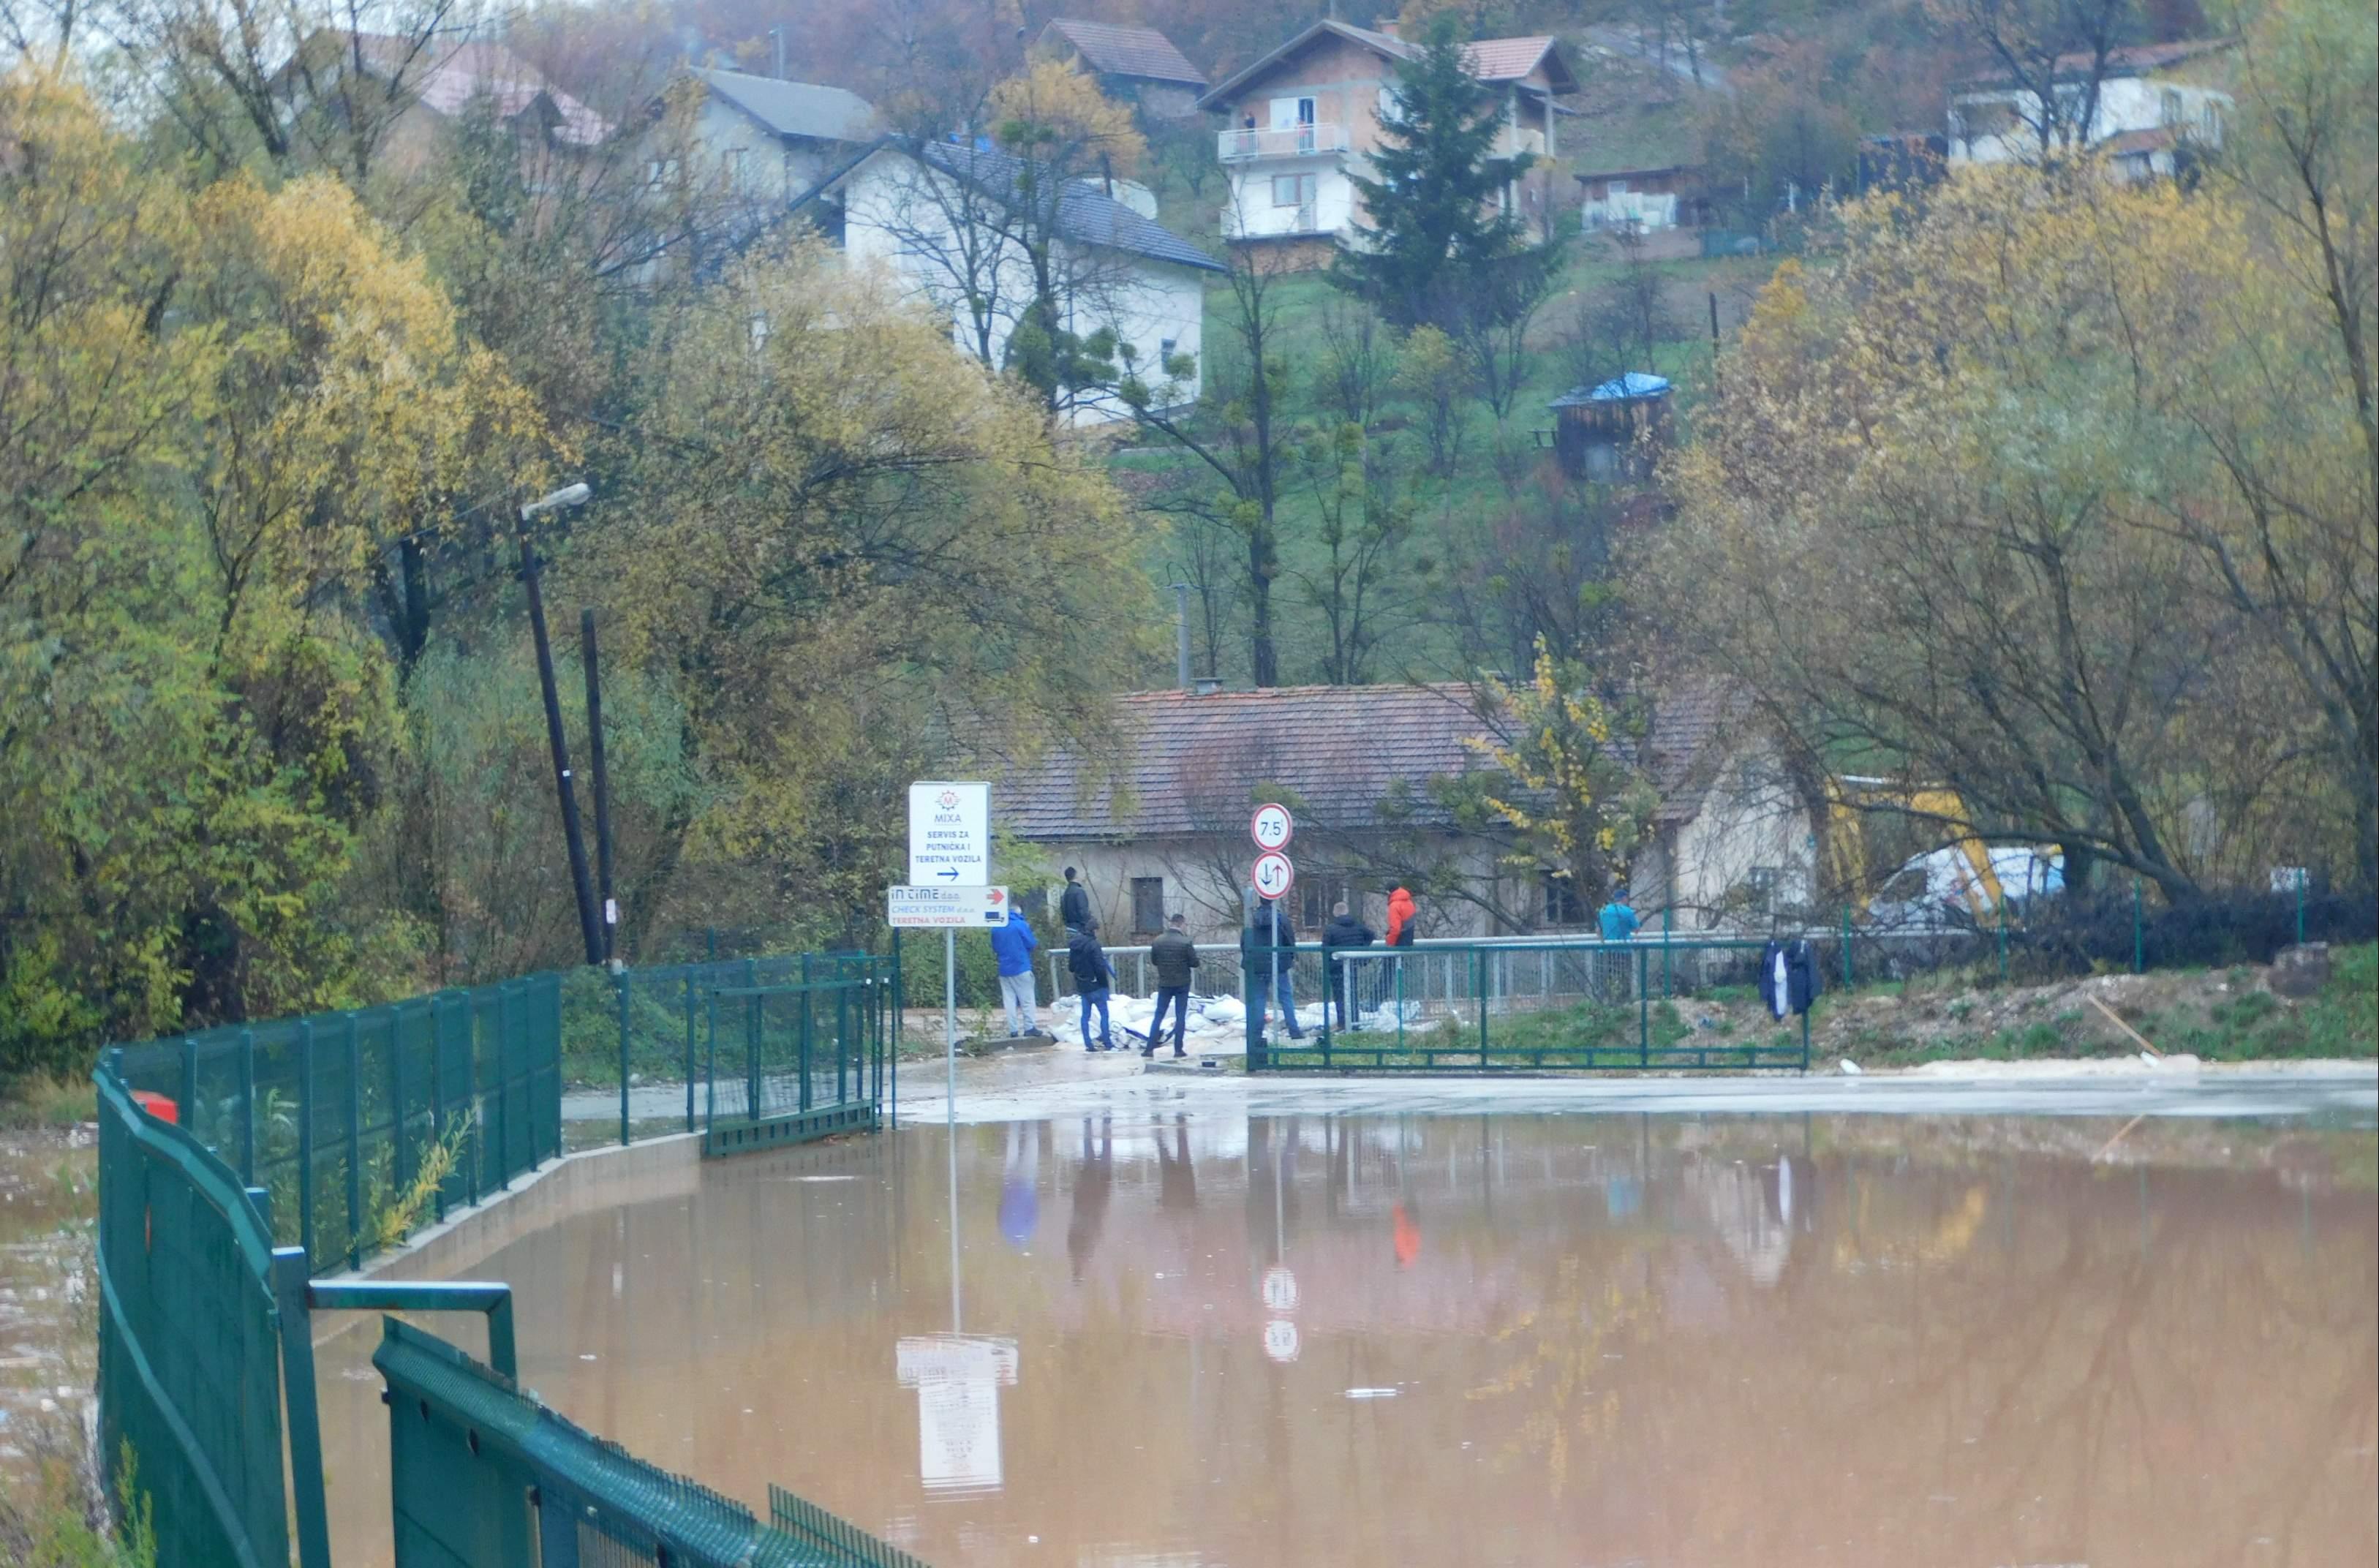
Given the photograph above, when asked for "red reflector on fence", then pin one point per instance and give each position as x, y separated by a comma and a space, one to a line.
157, 1105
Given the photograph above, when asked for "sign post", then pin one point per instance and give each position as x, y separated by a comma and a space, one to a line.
949, 848
1272, 828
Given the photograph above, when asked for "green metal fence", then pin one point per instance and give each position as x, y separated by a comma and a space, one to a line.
236, 1162
480, 1472
1521, 1007
334, 1115
799, 1053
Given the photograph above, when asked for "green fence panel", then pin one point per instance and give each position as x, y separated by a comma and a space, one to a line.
478, 1470
188, 1346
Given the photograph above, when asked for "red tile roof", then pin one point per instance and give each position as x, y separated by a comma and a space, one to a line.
445, 76
1351, 757
2154, 139
1503, 59
1127, 50
1489, 59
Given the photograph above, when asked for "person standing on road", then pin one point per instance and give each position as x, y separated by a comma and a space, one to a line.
1343, 932
1274, 927
1013, 944
1094, 977
1074, 904
1172, 956
1400, 934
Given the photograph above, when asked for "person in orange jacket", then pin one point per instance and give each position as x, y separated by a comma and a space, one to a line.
1400, 919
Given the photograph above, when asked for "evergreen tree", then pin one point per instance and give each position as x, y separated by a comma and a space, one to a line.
1438, 238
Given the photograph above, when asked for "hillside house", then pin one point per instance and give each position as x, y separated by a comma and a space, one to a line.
437, 80
2153, 110
954, 221
1132, 65
773, 140
1377, 778
1612, 432
1306, 116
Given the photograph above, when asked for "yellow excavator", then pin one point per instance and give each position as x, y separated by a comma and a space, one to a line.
1922, 847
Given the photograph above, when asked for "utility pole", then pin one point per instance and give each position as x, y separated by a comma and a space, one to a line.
572, 835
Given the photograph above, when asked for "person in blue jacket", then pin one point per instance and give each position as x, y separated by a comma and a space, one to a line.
1618, 918
1012, 945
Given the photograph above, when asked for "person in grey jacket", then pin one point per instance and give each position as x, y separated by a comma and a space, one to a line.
1174, 955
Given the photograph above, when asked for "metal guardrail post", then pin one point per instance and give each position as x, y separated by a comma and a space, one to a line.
619, 983
689, 1050
492, 1298
800, 1040
306, 1137
893, 1086
751, 1043
247, 1107
400, 1158
1667, 977
1643, 1007
354, 1144
1478, 981
291, 1266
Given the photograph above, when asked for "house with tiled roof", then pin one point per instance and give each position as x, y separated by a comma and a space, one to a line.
436, 78
2158, 106
1134, 65
1383, 782
1305, 117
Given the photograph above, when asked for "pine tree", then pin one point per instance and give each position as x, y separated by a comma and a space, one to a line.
1437, 239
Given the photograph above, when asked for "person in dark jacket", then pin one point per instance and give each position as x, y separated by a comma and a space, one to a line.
1074, 904
1274, 926
1093, 978
1344, 931
1172, 956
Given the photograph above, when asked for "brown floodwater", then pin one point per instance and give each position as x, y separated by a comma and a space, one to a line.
1505, 1339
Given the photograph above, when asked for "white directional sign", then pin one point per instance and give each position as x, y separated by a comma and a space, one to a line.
1279, 1289
956, 908
1272, 828
1274, 875
950, 834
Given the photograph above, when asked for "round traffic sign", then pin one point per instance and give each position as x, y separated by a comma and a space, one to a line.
1272, 828
1274, 875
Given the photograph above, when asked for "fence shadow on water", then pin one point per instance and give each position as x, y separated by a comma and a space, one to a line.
237, 1164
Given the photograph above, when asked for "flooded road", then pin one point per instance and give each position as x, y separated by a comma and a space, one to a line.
1207, 1339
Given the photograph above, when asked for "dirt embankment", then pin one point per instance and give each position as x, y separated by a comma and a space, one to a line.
2219, 1015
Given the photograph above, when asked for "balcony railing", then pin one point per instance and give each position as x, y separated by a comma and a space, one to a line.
1286, 142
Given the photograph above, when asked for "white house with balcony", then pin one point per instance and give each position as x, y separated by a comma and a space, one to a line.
1304, 118
2148, 117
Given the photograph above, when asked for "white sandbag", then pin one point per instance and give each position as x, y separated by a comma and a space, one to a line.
1224, 1010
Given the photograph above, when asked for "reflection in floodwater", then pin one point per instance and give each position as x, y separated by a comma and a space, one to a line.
1846, 1340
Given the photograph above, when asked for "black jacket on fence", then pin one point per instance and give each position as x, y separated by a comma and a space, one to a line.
1172, 956
1087, 961
1074, 905
1788, 977
1345, 931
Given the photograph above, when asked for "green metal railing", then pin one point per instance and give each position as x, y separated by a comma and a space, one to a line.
1526, 1006
336, 1114
798, 1054
479, 1470
236, 1162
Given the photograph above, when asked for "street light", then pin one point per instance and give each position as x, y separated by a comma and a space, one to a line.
568, 496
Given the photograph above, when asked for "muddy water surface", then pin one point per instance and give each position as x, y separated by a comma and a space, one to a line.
1509, 1339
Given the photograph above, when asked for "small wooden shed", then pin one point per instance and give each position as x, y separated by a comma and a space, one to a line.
1610, 433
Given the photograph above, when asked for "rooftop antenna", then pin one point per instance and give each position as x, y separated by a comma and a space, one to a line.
777, 35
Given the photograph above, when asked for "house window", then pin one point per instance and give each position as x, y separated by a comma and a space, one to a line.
1764, 882
1293, 190
1564, 904
1147, 905
1287, 114
1315, 901
660, 172
2168, 104
1616, 188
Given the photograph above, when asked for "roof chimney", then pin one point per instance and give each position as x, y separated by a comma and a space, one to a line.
1208, 684
1386, 25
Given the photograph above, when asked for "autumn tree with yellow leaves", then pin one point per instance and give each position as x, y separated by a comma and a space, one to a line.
2059, 491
